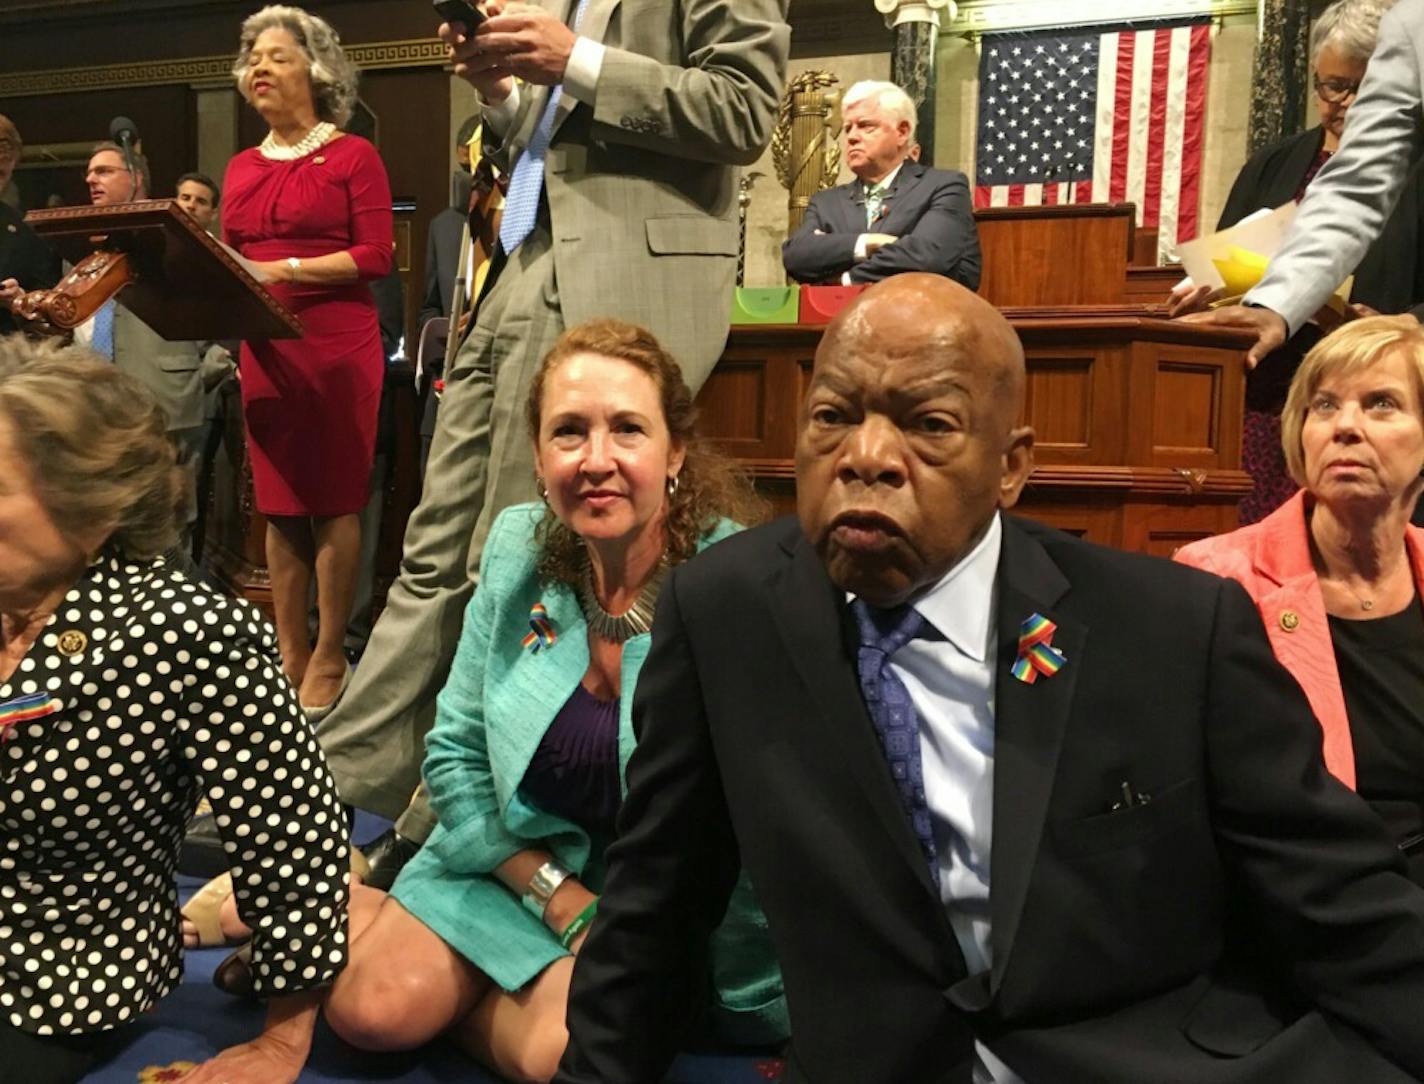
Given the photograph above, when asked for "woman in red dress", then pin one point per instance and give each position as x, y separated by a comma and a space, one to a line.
312, 208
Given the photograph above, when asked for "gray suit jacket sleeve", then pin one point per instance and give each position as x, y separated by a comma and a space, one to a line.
1347, 204
719, 107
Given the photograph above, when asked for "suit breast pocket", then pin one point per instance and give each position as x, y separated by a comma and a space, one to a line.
1168, 809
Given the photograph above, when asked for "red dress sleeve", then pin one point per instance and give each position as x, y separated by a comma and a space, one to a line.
372, 224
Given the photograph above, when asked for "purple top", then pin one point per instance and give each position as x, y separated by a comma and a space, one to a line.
574, 773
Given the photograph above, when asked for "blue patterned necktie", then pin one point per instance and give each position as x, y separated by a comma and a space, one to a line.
521, 202
882, 633
102, 340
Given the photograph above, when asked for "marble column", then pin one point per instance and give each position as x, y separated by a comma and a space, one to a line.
916, 24
218, 104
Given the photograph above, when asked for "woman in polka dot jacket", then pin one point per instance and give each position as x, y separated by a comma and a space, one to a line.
126, 690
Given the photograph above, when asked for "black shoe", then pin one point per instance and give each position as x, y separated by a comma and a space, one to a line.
387, 853
202, 854
234, 975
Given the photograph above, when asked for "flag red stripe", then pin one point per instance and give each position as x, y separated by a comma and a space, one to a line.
1189, 199
1083, 192
983, 196
1156, 127
1122, 117
1016, 195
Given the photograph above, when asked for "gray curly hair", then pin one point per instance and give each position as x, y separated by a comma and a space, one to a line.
333, 75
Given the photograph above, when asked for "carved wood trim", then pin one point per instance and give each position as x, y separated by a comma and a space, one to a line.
370, 56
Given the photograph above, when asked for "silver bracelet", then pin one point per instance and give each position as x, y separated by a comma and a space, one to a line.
295, 264
542, 887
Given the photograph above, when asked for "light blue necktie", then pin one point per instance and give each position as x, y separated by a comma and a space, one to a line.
102, 341
521, 202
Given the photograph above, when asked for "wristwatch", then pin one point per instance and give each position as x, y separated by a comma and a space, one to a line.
295, 264
542, 886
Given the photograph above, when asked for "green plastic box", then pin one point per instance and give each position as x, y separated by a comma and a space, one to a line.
766, 304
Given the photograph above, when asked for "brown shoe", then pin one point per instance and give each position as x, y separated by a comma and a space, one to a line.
234, 975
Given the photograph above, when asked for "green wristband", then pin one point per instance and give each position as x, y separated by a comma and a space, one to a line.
579, 924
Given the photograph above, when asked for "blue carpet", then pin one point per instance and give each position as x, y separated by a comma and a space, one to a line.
196, 1021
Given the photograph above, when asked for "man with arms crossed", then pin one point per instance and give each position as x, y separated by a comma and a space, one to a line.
1017, 807
897, 215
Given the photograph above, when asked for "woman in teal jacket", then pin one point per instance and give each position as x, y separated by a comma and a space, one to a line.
525, 763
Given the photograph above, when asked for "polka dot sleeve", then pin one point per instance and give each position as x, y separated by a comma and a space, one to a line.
274, 801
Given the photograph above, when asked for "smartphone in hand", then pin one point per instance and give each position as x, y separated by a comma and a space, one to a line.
460, 12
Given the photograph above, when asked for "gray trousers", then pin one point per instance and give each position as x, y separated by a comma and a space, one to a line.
481, 461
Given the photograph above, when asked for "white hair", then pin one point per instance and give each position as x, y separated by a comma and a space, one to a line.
333, 75
1352, 26
889, 99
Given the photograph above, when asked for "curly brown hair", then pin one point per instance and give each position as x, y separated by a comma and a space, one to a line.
710, 488
96, 443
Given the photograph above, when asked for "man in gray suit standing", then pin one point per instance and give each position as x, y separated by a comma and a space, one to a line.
624, 137
1354, 194
172, 371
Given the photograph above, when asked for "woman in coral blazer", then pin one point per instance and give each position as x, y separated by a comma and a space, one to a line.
1337, 572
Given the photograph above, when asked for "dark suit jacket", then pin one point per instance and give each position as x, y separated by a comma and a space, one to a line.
442, 263
929, 210
1390, 277
1126, 945
23, 257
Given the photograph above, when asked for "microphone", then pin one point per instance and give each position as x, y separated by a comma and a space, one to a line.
124, 132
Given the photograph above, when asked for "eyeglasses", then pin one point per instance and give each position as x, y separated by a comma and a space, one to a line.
106, 171
1335, 91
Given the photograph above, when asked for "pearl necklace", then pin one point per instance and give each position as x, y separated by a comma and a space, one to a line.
280, 152
639, 617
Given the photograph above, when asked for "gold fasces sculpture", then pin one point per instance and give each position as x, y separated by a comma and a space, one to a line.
804, 145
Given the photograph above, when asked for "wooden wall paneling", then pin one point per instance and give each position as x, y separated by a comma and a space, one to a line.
167, 122
1151, 285
1162, 528
1059, 255
1094, 519
1073, 394
125, 33
412, 107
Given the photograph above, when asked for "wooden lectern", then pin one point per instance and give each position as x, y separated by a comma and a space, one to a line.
174, 277
186, 286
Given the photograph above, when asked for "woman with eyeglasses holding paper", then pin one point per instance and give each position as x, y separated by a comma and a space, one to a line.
1390, 279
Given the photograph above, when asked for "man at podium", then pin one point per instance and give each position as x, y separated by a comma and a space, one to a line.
896, 216
172, 371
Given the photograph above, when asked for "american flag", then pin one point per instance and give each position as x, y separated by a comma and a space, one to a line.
1100, 115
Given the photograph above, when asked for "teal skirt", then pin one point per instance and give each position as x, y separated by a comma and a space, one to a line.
483, 921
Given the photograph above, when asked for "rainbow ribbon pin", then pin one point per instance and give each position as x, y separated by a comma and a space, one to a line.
541, 633
1037, 655
23, 710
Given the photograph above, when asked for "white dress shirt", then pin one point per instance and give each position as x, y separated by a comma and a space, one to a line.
951, 682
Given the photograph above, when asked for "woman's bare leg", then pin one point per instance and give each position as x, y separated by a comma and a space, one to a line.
291, 560
403, 985
521, 1036
338, 559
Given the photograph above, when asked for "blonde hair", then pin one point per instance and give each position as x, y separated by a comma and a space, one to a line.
333, 75
1350, 348
96, 444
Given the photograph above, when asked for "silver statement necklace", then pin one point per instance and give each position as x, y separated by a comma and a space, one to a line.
639, 617
281, 152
